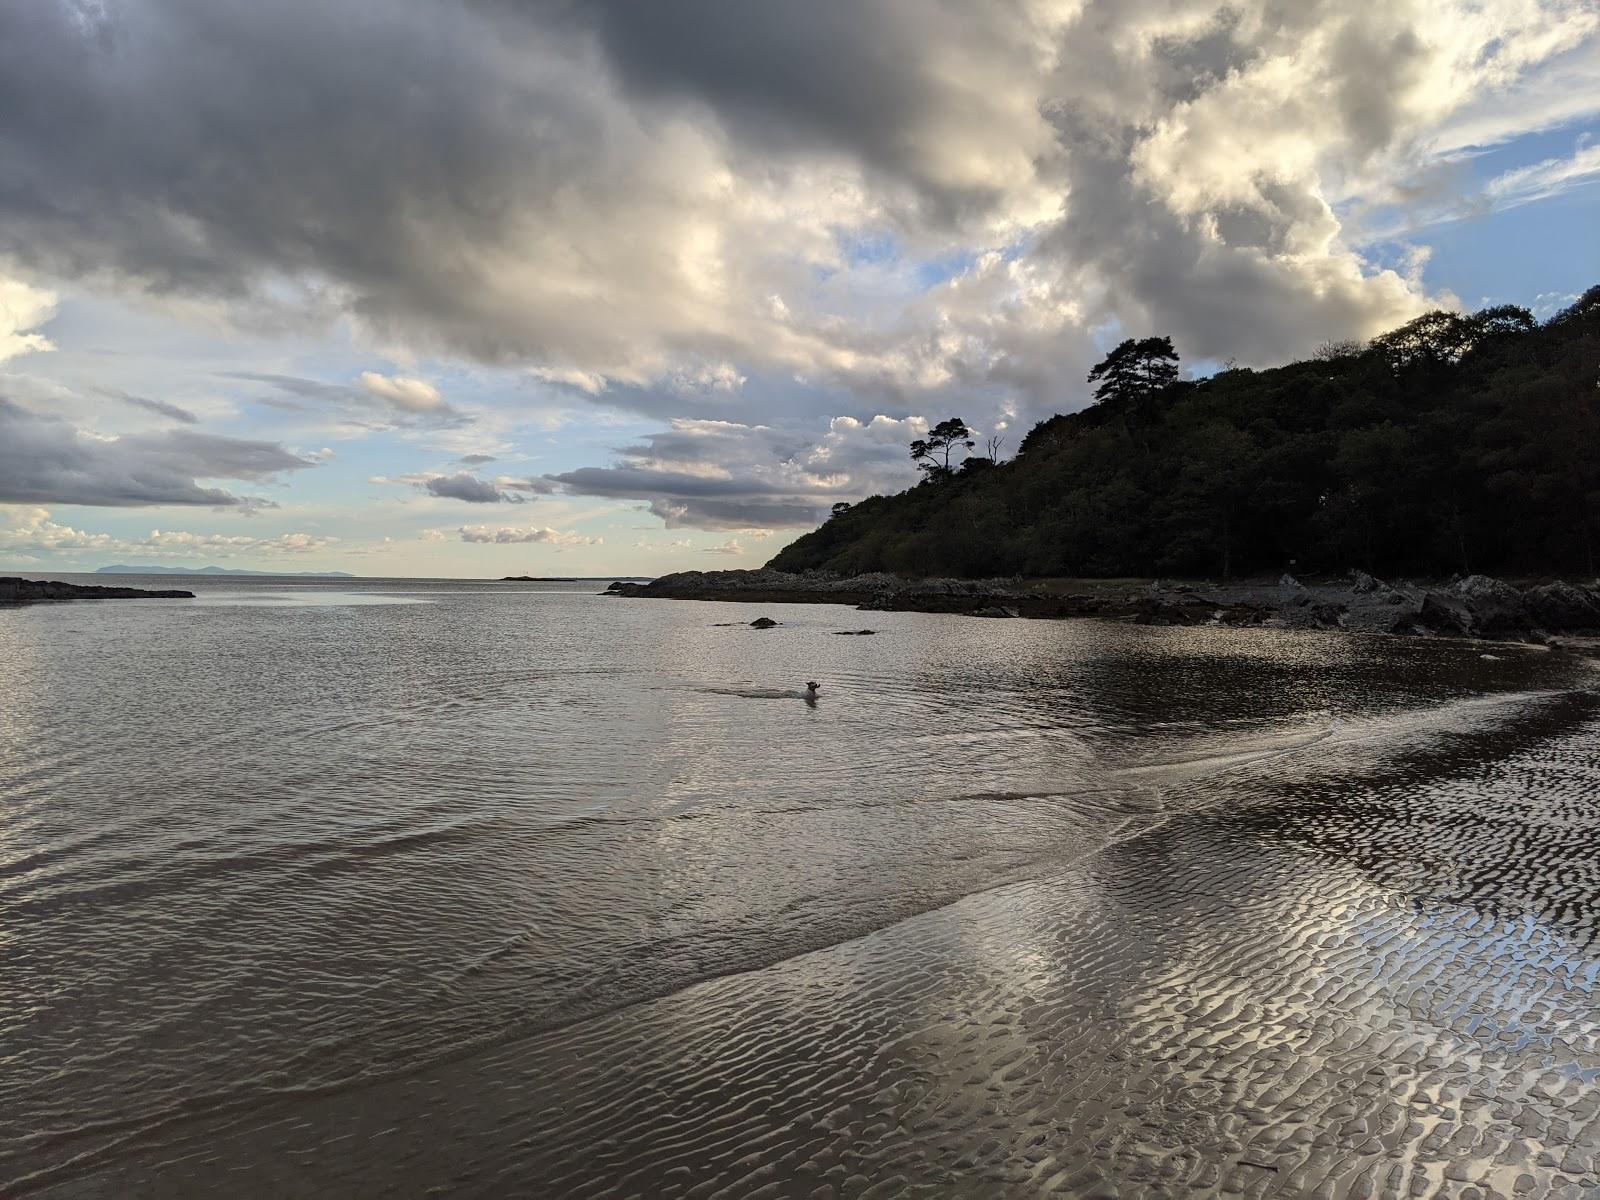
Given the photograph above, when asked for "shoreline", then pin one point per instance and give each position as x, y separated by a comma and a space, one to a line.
1474, 607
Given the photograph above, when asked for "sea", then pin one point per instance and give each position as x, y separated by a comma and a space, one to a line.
405, 887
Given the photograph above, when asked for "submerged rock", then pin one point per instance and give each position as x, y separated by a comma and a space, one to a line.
762, 623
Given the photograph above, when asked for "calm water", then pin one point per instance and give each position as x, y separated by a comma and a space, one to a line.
376, 887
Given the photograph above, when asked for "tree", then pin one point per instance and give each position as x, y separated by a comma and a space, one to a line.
1135, 371
1432, 339
1440, 337
840, 508
1335, 351
932, 453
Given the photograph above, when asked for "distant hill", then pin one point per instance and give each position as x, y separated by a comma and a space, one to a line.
1455, 444
120, 569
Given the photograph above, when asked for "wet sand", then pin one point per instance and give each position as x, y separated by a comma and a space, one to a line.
1372, 972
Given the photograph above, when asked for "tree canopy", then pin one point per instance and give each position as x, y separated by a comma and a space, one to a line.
1135, 370
1456, 443
932, 453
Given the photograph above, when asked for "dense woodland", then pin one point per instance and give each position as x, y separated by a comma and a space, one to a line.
1453, 444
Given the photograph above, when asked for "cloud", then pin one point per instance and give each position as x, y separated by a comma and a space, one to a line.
31, 529
731, 546
721, 475
22, 310
1541, 180
514, 483
376, 403
46, 460
467, 487
509, 535
475, 460
612, 195
407, 395
160, 407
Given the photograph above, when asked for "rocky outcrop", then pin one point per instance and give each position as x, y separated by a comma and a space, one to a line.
1563, 606
32, 591
1476, 606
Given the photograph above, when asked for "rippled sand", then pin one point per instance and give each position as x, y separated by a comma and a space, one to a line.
1317, 921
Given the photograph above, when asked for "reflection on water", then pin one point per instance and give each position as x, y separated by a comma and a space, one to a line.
273, 860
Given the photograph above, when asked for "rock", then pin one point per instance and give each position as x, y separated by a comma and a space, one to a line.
1309, 615
1497, 609
28, 591
996, 610
1562, 606
1442, 612
854, 632
762, 623
1288, 582
1152, 610
1361, 583
1379, 618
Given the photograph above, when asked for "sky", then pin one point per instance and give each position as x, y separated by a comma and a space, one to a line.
468, 289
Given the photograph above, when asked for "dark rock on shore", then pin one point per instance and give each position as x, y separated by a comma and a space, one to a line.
763, 623
31, 591
1477, 606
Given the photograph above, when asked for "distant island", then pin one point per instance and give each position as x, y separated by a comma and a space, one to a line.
35, 591
537, 579
120, 569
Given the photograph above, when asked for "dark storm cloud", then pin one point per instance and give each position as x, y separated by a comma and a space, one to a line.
870, 80
459, 176
45, 460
